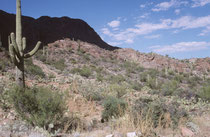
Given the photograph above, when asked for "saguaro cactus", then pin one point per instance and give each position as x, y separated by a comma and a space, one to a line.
17, 48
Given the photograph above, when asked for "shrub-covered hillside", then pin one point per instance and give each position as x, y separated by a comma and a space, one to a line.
74, 87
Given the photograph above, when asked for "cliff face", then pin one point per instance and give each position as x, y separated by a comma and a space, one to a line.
48, 30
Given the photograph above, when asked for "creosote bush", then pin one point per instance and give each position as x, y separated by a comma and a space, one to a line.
113, 107
40, 107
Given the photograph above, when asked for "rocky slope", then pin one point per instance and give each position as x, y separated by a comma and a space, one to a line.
89, 74
47, 30
197, 66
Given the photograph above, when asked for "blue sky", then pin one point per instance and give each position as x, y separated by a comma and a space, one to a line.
178, 28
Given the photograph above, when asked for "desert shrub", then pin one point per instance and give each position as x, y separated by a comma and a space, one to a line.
39, 106
32, 69
152, 72
153, 83
162, 113
113, 107
169, 87
136, 85
143, 77
179, 78
73, 61
116, 78
4, 64
51, 75
59, 64
91, 90
184, 93
131, 67
98, 69
86, 57
205, 93
3, 98
84, 71
99, 77
186, 75
171, 72
140, 69
193, 81
118, 90
95, 96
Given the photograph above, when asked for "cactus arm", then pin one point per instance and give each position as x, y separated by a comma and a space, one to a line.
12, 55
31, 53
14, 43
24, 43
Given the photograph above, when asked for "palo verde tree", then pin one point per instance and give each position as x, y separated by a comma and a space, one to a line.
17, 46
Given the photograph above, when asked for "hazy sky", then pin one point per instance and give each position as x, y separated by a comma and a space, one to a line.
179, 28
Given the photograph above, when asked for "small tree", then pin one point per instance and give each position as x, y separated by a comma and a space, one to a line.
17, 48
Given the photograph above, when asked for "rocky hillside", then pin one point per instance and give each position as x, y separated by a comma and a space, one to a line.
196, 66
48, 30
164, 96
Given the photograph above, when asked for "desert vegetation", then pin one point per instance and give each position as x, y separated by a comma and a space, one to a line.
68, 87
125, 95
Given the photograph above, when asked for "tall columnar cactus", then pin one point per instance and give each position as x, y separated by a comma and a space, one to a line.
17, 48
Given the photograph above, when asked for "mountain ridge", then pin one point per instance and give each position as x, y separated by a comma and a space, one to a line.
49, 29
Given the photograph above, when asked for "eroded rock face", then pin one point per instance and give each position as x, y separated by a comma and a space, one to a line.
153, 60
48, 30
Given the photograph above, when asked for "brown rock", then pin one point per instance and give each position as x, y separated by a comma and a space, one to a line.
186, 132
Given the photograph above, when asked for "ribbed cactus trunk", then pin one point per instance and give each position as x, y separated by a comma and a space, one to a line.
20, 77
17, 47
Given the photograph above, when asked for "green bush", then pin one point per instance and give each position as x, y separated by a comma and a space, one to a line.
32, 69
205, 93
73, 61
153, 72
116, 78
179, 78
118, 90
153, 83
4, 64
169, 88
143, 77
39, 106
84, 71
193, 81
99, 77
95, 96
60, 64
171, 72
113, 107
131, 67
155, 109
136, 85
